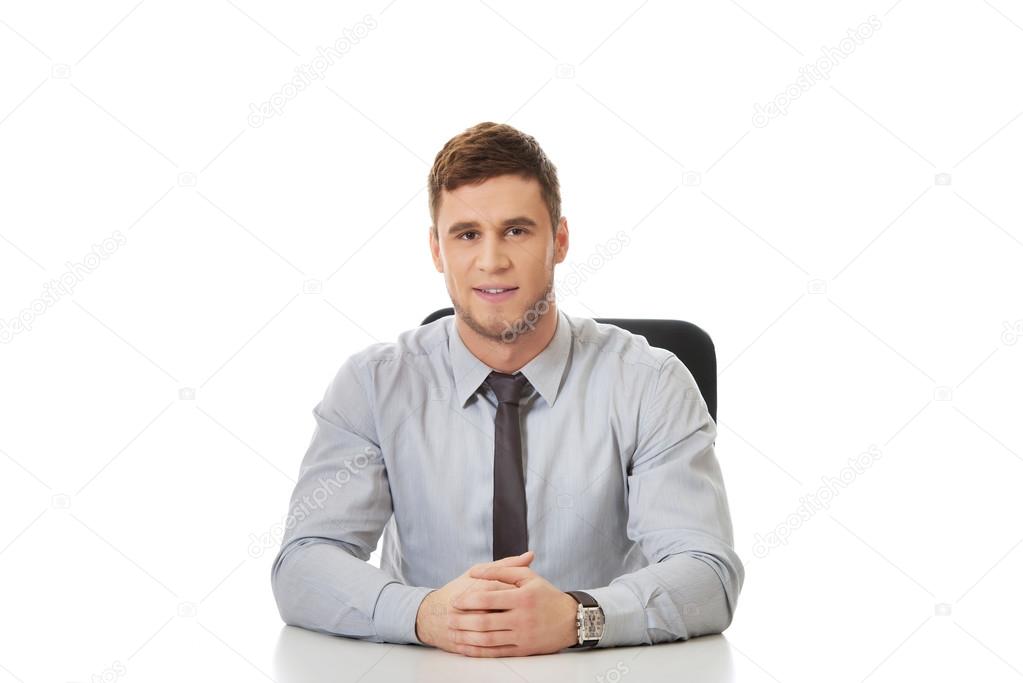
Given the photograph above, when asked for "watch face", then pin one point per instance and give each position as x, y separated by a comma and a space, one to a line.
593, 623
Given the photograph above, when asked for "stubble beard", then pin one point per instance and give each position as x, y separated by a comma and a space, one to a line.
499, 331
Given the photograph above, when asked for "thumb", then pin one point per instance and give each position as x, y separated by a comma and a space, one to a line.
522, 560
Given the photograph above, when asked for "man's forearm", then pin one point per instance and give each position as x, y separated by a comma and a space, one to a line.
320, 586
685, 595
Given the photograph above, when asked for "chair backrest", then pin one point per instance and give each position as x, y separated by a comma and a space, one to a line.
690, 343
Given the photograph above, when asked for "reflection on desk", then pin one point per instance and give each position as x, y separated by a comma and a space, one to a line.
304, 656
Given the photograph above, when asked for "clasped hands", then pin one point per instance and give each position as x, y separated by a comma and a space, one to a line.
498, 609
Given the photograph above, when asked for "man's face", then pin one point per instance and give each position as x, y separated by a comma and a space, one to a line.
497, 234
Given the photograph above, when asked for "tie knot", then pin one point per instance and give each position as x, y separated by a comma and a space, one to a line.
508, 388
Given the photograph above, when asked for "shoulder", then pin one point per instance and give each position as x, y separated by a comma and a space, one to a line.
653, 375
417, 343
381, 364
613, 344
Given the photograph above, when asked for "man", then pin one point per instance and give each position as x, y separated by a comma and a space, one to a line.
546, 482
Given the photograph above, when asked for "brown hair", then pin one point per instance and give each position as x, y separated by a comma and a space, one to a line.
487, 150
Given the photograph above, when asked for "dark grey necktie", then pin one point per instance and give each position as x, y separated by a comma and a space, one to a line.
511, 536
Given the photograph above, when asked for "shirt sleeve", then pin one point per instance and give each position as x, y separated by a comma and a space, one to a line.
678, 514
321, 578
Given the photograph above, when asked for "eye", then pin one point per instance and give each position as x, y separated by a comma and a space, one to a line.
473, 232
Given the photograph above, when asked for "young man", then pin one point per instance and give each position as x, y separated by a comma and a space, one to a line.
546, 482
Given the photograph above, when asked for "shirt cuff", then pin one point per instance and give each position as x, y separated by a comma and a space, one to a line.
624, 616
394, 617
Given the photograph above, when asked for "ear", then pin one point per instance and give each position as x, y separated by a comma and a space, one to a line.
561, 241
438, 262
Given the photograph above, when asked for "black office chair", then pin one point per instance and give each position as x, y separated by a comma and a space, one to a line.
691, 344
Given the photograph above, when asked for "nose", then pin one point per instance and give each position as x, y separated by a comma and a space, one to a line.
493, 255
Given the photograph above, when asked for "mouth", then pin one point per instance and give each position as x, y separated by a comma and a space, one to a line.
497, 294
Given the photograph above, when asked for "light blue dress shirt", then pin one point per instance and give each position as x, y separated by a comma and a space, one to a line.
624, 492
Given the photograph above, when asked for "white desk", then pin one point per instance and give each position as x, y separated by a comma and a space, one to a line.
303, 656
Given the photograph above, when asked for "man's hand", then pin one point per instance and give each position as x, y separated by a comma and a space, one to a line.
531, 618
432, 617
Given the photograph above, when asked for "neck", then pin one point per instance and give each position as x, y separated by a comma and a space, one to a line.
510, 357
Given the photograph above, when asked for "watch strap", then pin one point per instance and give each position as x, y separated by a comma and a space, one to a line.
583, 598
586, 600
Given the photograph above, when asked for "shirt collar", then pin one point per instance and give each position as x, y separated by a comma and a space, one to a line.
545, 371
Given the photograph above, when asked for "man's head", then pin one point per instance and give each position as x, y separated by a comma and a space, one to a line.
495, 204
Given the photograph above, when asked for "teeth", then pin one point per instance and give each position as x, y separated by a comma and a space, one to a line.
494, 291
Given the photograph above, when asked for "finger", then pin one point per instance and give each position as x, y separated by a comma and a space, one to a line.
488, 585
481, 585
485, 621
488, 600
477, 651
517, 560
524, 558
482, 638
513, 575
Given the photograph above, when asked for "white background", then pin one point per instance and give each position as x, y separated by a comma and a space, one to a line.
856, 261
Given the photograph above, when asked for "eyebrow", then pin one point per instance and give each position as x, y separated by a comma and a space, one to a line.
474, 225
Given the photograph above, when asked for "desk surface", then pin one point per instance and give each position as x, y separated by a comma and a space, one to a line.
303, 656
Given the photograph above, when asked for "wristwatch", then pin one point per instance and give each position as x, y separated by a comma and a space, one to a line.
589, 620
